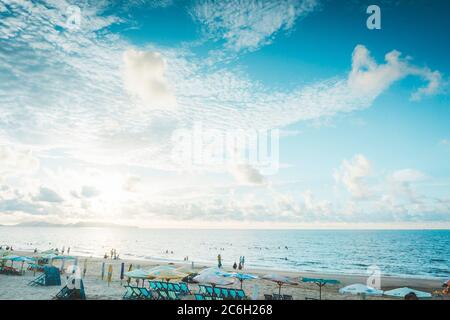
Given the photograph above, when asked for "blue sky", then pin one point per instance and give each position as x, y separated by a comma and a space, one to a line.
97, 97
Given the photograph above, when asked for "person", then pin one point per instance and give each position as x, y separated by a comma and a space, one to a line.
68, 250
35, 250
240, 266
243, 261
219, 261
234, 265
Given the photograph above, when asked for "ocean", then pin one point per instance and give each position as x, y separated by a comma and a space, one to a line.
406, 253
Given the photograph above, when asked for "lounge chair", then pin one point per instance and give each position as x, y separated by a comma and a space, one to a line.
129, 294
71, 294
268, 297
225, 293
217, 292
184, 288
173, 295
202, 289
241, 294
146, 294
232, 293
162, 295
210, 291
287, 297
199, 296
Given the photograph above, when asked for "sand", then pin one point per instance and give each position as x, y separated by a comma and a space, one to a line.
15, 287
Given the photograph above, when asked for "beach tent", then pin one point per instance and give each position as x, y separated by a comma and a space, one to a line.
213, 279
361, 289
241, 276
279, 280
320, 282
402, 292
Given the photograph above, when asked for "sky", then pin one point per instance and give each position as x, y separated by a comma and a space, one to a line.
231, 114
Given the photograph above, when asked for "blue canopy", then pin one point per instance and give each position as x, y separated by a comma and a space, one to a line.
402, 292
320, 281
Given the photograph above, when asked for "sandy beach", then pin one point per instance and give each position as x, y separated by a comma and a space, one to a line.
15, 287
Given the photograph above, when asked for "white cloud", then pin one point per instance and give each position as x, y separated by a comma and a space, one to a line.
248, 25
408, 175
370, 79
352, 175
14, 161
48, 195
247, 175
144, 77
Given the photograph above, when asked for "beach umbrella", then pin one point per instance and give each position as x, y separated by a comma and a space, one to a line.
213, 279
241, 276
137, 274
187, 269
362, 289
402, 292
56, 257
321, 283
214, 270
279, 280
167, 274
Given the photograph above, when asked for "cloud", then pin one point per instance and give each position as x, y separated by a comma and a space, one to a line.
247, 175
370, 79
248, 25
89, 191
352, 175
48, 195
14, 161
144, 77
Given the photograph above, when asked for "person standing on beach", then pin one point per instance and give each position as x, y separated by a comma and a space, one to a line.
68, 250
243, 261
234, 265
219, 261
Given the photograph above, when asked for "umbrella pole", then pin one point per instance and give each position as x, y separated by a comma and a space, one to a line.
279, 289
242, 281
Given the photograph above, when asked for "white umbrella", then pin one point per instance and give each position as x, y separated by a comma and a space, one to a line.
213, 279
359, 288
402, 292
137, 274
215, 270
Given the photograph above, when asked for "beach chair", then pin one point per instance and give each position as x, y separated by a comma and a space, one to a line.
287, 297
225, 293
184, 288
137, 292
146, 294
170, 287
71, 294
163, 295
129, 294
39, 281
177, 288
165, 285
172, 295
153, 285
233, 294
277, 296
241, 294
209, 291
202, 289
217, 292
159, 285
268, 297
199, 296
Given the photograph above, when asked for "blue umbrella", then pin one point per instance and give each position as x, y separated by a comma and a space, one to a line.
321, 283
402, 292
241, 276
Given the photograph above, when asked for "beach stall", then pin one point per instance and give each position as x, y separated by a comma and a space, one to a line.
360, 289
320, 283
279, 280
402, 292
14, 258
